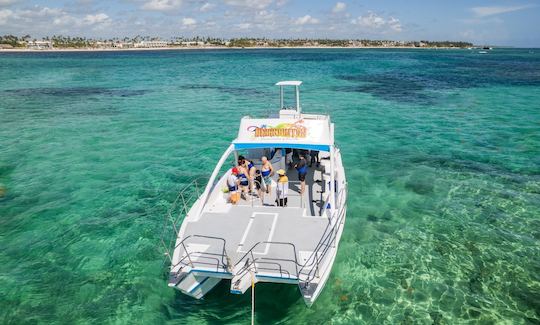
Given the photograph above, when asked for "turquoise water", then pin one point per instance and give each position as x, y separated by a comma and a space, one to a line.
441, 149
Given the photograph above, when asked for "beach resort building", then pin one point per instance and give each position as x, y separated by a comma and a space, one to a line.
151, 44
39, 45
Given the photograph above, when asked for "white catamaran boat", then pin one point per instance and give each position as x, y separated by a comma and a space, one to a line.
258, 241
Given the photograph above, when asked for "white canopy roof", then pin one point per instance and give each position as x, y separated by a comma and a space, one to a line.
289, 83
310, 134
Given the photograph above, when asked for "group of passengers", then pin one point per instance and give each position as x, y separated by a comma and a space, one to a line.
245, 178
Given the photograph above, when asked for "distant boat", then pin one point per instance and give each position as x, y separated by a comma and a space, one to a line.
487, 48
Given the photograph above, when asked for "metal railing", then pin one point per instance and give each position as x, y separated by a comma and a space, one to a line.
186, 198
188, 195
305, 272
220, 260
249, 264
309, 270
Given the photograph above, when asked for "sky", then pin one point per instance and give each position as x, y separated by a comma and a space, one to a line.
483, 22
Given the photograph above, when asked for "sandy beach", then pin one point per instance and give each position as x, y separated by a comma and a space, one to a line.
216, 48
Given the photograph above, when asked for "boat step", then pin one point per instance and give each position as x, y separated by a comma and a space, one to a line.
240, 285
196, 286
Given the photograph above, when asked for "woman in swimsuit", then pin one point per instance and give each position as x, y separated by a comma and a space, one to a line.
243, 180
250, 168
267, 171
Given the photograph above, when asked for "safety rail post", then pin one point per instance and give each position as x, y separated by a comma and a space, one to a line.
187, 254
196, 183
253, 261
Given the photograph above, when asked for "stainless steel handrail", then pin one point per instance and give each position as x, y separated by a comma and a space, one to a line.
245, 269
322, 248
223, 262
188, 195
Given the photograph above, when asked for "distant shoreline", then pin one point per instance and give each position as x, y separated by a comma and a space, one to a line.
219, 48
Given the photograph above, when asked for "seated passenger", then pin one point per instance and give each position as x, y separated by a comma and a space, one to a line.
282, 188
232, 184
267, 172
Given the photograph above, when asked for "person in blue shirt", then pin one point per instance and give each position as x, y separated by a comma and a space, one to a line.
302, 169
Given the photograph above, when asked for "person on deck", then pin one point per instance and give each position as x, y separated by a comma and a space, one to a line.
282, 188
243, 180
267, 171
259, 185
232, 184
302, 167
250, 168
288, 157
314, 158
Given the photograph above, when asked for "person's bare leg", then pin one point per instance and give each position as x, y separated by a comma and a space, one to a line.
252, 180
302, 187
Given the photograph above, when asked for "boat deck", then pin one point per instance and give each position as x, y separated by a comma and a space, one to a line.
250, 223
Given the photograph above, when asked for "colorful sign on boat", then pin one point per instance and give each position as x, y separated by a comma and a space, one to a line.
282, 130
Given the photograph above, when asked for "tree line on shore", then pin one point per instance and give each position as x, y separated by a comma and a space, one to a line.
60, 41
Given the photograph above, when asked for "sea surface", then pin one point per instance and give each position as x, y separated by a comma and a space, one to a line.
441, 150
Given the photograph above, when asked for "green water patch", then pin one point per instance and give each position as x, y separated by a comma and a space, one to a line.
235, 91
75, 91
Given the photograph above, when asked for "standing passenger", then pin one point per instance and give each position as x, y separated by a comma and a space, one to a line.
250, 168
282, 188
314, 158
288, 157
232, 184
301, 167
267, 173
243, 180
259, 183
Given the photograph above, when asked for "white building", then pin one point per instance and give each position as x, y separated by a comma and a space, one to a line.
40, 45
151, 44
192, 43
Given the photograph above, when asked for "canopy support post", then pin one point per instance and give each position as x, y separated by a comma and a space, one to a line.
298, 109
281, 97
332, 183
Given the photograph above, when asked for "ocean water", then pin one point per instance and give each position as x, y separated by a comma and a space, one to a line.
441, 150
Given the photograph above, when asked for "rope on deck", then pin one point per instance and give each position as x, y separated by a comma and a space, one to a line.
252, 299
